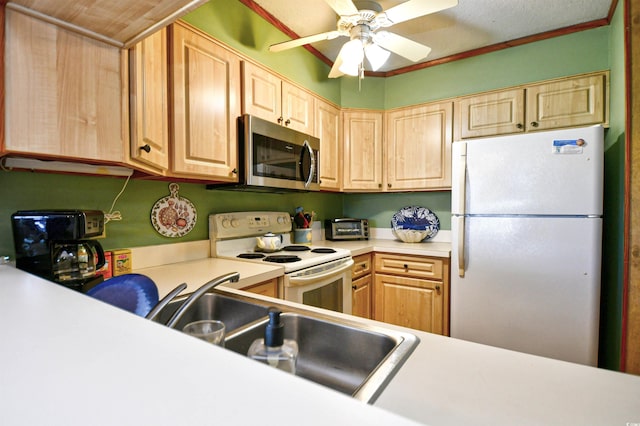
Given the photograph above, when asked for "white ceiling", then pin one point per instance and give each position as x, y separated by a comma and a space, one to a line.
472, 24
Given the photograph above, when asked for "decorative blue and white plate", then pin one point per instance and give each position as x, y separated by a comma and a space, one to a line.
416, 218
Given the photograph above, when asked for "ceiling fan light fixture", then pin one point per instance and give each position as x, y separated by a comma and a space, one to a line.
352, 54
376, 56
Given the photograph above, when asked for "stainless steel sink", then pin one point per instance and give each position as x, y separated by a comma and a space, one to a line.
345, 355
351, 358
230, 310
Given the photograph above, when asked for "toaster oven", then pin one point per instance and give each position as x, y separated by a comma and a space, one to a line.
346, 229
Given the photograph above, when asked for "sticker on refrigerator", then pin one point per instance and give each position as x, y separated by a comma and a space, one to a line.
568, 146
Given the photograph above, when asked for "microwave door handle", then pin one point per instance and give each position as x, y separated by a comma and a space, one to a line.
312, 163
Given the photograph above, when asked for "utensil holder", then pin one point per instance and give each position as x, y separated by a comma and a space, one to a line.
302, 236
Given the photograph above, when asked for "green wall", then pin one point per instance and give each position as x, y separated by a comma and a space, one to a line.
25, 190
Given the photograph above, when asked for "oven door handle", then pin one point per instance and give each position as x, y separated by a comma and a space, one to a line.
304, 279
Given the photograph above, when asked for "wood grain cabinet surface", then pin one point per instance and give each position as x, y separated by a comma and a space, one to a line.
566, 102
362, 285
412, 291
418, 147
266, 288
63, 93
363, 139
206, 104
271, 98
149, 103
327, 124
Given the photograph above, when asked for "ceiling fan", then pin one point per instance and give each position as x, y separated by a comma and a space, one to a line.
362, 20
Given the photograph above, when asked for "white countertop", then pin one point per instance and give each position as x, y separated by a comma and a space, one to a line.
69, 359
433, 249
198, 272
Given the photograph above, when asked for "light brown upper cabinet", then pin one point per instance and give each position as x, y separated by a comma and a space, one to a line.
205, 88
567, 102
267, 96
205, 93
149, 105
418, 147
328, 131
63, 93
363, 138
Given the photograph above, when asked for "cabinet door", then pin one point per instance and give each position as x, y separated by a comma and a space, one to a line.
63, 93
297, 109
418, 147
572, 102
206, 91
491, 114
328, 131
266, 288
148, 86
362, 132
262, 93
361, 296
409, 302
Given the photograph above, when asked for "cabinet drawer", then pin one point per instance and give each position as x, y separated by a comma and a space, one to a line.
361, 266
414, 266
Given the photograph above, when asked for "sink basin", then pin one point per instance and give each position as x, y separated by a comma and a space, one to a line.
230, 310
346, 356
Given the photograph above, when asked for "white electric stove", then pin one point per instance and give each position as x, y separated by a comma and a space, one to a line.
313, 275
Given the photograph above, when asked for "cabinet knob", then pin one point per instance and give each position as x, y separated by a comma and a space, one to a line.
146, 148
280, 120
286, 123
355, 287
534, 124
388, 185
438, 288
379, 185
406, 267
519, 126
364, 266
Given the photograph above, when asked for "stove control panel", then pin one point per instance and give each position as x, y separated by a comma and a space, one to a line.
245, 224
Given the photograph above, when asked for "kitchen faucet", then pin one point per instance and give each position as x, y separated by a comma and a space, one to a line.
231, 277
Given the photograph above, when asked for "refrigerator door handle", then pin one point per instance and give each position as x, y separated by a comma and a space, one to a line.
462, 179
460, 243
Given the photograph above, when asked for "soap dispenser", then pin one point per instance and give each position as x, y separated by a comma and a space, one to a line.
274, 349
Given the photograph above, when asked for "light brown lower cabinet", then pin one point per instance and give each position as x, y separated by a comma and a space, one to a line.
362, 285
412, 291
265, 288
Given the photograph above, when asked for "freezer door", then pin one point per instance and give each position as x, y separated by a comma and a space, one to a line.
545, 173
530, 284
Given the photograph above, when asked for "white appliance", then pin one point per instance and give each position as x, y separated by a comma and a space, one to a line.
316, 276
526, 232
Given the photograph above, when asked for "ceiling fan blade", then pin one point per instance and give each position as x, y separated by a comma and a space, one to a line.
279, 47
401, 45
415, 8
335, 69
343, 7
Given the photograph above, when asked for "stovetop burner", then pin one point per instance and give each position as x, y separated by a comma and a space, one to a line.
250, 255
296, 248
323, 250
282, 258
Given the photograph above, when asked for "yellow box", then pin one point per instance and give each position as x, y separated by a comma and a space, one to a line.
121, 261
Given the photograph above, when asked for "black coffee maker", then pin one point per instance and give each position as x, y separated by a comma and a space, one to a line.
57, 245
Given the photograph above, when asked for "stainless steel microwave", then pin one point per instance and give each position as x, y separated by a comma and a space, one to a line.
346, 229
274, 157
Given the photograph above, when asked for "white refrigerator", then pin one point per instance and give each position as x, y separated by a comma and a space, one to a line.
527, 242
